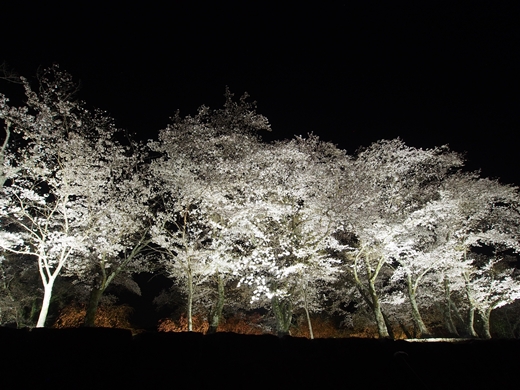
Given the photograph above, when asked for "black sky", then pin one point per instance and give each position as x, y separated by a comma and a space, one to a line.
352, 72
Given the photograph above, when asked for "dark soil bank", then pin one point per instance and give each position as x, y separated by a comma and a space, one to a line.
100, 358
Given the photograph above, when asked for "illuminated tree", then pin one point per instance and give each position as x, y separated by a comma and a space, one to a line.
280, 223
192, 178
392, 181
491, 285
117, 200
71, 195
486, 216
423, 247
288, 210
40, 215
437, 244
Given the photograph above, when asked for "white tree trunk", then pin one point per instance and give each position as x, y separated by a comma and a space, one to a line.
448, 319
472, 308
45, 304
369, 293
382, 330
416, 315
306, 307
190, 302
48, 277
485, 316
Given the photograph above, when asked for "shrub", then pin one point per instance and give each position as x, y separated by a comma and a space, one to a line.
181, 325
239, 323
242, 324
321, 328
106, 317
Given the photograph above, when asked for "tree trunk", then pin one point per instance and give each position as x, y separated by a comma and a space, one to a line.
448, 322
448, 319
98, 289
382, 330
47, 293
416, 315
48, 277
388, 325
190, 301
97, 292
486, 323
283, 314
216, 313
306, 307
93, 303
370, 294
384, 324
405, 330
470, 326
3, 177
33, 312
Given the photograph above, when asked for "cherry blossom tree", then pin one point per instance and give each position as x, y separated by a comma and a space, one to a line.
438, 243
67, 199
486, 216
392, 181
490, 285
291, 216
117, 199
423, 246
280, 222
38, 216
193, 177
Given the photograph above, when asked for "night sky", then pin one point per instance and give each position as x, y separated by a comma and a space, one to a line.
352, 72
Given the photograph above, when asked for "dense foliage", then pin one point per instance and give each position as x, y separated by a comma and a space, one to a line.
391, 238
